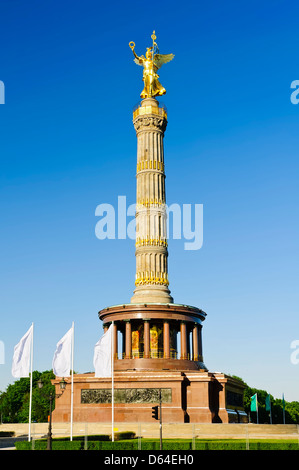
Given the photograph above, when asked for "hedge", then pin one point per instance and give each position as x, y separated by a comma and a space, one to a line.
96, 437
123, 435
7, 433
154, 444
61, 444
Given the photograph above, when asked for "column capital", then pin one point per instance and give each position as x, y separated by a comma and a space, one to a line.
150, 123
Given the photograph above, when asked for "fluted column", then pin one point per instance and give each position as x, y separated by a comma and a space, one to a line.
151, 278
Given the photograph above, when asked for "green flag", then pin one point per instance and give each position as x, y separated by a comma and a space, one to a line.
253, 403
268, 403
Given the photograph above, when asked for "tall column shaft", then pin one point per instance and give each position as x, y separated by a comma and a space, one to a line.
151, 229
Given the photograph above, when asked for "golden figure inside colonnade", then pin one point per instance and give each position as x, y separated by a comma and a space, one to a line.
151, 63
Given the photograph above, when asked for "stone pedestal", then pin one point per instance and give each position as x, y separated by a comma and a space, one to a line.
187, 397
156, 346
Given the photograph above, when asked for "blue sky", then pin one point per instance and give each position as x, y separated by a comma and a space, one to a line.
67, 144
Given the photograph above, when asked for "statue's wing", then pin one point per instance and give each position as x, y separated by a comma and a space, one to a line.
139, 60
160, 59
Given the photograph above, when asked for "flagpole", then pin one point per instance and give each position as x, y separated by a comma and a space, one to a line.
72, 383
270, 406
270, 413
30, 398
270, 409
256, 409
112, 381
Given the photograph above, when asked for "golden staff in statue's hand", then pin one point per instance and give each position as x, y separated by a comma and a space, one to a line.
132, 45
151, 63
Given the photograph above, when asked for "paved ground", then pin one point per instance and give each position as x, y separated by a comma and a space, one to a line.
8, 443
151, 430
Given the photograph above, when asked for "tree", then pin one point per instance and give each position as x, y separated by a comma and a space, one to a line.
14, 402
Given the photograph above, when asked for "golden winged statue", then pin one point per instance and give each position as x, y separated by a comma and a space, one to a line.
151, 63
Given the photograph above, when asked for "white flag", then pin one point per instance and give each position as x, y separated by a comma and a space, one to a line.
102, 355
62, 357
21, 357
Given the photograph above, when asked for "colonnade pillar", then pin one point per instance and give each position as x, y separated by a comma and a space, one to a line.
166, 340
147, 339
195, 342
184, 332
128, 340
115, 349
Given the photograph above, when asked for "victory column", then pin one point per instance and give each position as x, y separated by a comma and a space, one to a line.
160, 350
